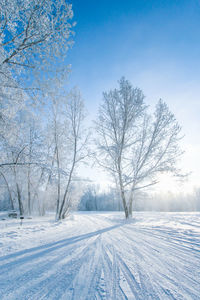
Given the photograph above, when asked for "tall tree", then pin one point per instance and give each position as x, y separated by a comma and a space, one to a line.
134, 146
76, 145
34, 39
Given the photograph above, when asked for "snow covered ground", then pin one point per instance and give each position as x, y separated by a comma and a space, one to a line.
101, 256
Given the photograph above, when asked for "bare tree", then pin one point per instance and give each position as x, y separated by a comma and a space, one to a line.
57, 133
77, 140
134, 146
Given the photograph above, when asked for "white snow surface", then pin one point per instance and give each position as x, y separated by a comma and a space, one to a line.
101, 256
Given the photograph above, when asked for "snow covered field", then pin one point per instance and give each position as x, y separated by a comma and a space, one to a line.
100, 256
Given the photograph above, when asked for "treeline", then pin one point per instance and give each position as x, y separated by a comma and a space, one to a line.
93, 200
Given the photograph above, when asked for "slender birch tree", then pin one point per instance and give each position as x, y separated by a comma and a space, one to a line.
76, 146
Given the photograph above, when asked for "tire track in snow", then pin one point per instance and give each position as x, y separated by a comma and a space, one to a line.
90, 269
159, 266
111, 275
46, 272
115, 262
144, 281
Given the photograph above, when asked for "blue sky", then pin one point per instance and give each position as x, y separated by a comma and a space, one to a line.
115, 38
155, 44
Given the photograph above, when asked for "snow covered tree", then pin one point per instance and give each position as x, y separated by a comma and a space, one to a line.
34, 40
32, 32
76, 146
134, 146
67, 140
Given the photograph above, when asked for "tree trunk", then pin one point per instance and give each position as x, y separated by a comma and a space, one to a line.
60, 216
43, 208
58, 187
48, 181
29, 192
61, 213
124, 205
130, 209
21, 209
123, 197
9, 192
29, 170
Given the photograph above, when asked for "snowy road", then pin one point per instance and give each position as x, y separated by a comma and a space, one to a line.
99, 256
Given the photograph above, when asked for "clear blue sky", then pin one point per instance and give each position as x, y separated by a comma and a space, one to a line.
153, 43
115, 38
